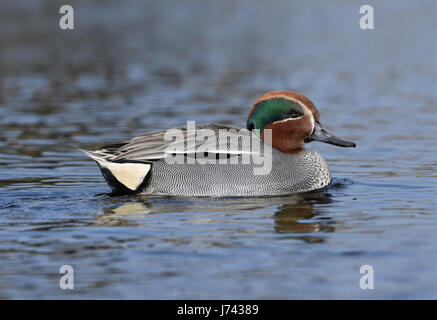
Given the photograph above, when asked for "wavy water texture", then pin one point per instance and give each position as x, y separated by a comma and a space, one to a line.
151, 65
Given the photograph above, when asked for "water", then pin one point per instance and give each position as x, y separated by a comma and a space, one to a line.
125, 70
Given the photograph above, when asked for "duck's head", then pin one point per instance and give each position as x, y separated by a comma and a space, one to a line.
293, 119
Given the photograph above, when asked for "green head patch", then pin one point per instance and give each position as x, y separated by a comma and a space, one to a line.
271, 110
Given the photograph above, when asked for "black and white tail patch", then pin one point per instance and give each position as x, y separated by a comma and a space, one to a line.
121, 176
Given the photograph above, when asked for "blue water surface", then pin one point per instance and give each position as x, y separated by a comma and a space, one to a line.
127, 69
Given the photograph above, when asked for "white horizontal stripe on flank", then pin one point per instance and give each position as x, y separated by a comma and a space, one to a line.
211, 151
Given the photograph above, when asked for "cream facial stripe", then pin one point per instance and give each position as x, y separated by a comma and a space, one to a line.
307, 111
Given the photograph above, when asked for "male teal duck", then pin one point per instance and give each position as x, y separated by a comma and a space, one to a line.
267, 158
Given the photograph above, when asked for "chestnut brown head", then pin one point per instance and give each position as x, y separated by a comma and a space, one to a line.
293, 119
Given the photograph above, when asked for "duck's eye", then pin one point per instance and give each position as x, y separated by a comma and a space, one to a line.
294, 113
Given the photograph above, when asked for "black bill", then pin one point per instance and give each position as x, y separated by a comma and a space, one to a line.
320, 134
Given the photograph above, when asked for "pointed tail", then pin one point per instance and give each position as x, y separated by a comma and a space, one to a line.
121, 176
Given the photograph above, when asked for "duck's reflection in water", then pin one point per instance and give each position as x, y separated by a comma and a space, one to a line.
120, 215
305, 217
301, 216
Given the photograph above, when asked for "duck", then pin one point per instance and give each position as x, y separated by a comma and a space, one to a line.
266, 158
